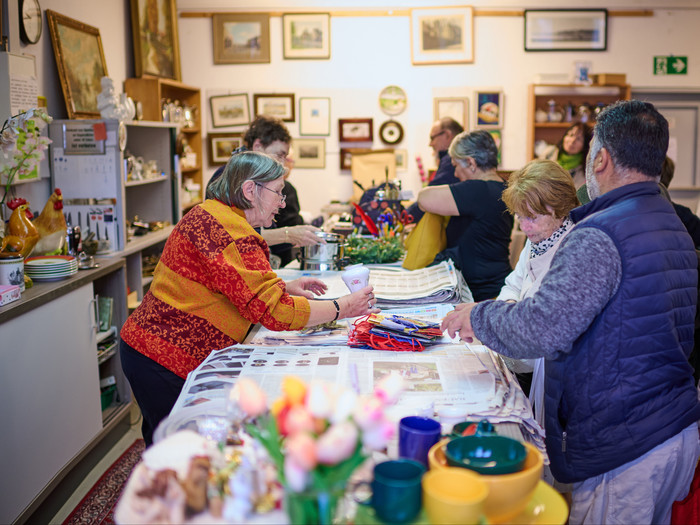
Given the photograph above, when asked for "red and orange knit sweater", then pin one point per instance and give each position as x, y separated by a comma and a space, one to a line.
212, 282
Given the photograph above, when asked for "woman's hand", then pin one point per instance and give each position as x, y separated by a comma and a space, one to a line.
459, 320
306, 287
303, 235
359, 303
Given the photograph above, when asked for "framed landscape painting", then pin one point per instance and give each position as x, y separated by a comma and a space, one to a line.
156, 46
241, 38
566, 29
280, 106
307, 35
442, 35
309, 153
81, 63
229, 110
221, 145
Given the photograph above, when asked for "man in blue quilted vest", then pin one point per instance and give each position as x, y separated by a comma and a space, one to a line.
614, 320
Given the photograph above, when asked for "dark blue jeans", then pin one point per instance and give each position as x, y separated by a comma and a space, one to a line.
155, 388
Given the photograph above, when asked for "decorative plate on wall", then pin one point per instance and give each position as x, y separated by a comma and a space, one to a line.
392, 100
391, 132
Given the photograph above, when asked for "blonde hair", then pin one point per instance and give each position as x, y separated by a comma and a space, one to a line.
538, 185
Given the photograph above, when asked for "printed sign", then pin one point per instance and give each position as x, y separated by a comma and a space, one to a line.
671, 65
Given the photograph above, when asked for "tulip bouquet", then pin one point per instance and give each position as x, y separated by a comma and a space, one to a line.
316, 436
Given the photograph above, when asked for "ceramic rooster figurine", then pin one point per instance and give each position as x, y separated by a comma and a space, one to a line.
51, 225
21, 235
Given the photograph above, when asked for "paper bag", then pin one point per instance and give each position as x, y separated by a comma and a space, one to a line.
425, 241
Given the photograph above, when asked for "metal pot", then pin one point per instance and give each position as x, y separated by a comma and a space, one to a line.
323, 256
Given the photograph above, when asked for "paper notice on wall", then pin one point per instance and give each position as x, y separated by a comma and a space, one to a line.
23, 93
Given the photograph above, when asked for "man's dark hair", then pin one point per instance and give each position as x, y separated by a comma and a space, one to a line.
452, 125
268, 130
635, 135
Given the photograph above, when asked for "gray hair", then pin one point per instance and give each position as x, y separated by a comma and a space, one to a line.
247, 165
478, 145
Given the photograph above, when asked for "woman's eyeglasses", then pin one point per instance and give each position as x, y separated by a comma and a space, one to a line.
281, 195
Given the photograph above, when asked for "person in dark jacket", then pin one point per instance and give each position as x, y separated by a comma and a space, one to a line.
614, 320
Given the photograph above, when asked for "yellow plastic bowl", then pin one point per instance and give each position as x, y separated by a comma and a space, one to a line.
453, 496
509, 494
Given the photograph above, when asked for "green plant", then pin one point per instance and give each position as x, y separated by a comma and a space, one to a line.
374, 250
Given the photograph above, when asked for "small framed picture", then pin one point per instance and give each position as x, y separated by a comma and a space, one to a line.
566, 29
442, 35
346, 156
241, 38
307, 35
280, 106
454, 107
309, 153
355, 130
401, 159
229, 110
489, 109
221, 145
314, 116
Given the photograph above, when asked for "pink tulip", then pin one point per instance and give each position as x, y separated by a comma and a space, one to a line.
378, 436
319, 400
296, 476
337, 443
344, 405
301, 449
249, 397
298, 419
368, 412
389, 388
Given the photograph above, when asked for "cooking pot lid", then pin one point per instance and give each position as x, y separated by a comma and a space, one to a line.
329, 237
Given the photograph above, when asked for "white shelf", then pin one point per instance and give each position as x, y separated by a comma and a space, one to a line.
131, 183
101, 336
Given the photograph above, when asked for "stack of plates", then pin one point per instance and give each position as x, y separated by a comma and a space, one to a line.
50, 267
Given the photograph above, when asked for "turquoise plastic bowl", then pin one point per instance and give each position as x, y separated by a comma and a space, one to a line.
490, 455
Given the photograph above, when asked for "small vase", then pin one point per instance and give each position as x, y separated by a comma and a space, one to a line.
312, 506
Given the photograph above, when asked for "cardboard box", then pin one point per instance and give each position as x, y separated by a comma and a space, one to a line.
610, 79
9, 293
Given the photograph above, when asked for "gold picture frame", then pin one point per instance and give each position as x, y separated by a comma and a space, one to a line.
80, 61
221, 145
156, 44
442, 35
233, 43
456, 108
309, 153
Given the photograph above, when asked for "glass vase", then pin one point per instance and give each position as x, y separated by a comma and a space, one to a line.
313, 506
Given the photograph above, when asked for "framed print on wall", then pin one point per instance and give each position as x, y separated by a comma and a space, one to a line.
489, 109
401, 159
566, 29
346, 156
355, 130
80, 61
314, 116
241, 38
307, 35
309, 153
280, 106
442, 35
221, 145
229, 110
453, 107
156, 45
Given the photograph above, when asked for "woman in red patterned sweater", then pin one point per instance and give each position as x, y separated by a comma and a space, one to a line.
213, 282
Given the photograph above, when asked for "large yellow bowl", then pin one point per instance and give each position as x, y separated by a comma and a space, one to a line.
509, 494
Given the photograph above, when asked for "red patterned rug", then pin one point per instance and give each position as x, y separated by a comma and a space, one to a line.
97, 507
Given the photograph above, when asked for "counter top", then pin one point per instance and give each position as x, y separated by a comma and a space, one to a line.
42, 293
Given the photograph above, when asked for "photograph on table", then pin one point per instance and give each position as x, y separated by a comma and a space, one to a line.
276, 105
315, 116
81, 63
241, 38
156, 45
489, 109
456, 108
566, 29
442, 35
229, 110
221, 145
307, 35
346, 156
309, 153
355, 130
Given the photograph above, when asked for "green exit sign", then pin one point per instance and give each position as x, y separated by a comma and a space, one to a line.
671, 65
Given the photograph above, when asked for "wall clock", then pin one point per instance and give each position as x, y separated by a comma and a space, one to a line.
30, 24
391, 132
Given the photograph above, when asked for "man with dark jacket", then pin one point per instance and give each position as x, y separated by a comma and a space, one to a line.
614, 319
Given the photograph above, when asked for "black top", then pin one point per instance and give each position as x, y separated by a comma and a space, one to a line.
287, 216
445, 174
478, 239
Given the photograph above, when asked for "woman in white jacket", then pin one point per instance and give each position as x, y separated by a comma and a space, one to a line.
540, 195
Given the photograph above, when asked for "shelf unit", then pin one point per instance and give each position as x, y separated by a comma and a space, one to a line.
539, 96
151, 92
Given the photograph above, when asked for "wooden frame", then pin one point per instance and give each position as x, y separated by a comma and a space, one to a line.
566, 29
241, 38
488, 113
391, 132
306, 35
80, 61
309, 153
221, 145
442, 35
314, 116
453, 107
346, 156
156, 44
355, 130
276, 105
229, 110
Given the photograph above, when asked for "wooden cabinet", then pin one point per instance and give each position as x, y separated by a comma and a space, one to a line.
152, 93
540, 96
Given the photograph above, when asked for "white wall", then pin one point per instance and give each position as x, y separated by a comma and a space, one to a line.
368, 53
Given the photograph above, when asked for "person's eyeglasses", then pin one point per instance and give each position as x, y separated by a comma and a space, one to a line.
281, 195
433, 137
